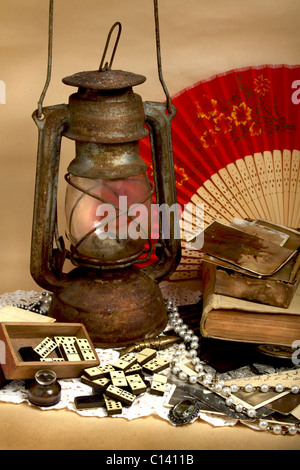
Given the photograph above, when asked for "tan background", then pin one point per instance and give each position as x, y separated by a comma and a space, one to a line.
199, 38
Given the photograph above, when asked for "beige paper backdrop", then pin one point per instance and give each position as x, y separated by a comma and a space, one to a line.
199, 38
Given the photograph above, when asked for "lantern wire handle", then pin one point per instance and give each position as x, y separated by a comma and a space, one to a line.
49, 65
106, 66
168, 98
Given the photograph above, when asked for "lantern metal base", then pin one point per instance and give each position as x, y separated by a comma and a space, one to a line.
117, 307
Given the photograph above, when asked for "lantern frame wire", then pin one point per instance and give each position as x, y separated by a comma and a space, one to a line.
158, 55
49, 63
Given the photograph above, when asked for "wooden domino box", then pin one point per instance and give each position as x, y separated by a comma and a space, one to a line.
17, 335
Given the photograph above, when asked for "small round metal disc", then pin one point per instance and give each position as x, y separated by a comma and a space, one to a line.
282, 352
106, 80
184, 412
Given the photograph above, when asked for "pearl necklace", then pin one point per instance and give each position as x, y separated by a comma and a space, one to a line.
189, 348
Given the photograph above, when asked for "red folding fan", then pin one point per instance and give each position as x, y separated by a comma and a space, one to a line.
236, 144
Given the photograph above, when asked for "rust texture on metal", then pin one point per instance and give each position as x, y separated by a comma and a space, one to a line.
44, 260
106, 80
107, 161
123, 306
159, 124
106, 117
51, 129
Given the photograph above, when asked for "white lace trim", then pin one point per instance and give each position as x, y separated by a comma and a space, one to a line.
181, 292
18, 297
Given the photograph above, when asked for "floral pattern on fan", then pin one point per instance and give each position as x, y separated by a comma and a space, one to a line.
245, 112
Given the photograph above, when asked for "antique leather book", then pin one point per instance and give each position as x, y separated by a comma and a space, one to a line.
233, 319
277, 290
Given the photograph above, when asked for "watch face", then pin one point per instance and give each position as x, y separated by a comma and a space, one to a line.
184, 412
282, 352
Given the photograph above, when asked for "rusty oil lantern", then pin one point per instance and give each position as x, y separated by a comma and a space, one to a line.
117, 300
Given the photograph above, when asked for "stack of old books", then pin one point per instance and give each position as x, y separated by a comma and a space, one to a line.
251, 278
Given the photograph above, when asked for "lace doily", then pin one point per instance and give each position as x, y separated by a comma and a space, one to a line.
18, 297
181, 292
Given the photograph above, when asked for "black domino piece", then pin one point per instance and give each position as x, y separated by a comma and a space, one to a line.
28, 354
98, 390
27, 383
89, 401
101, 388
3, 380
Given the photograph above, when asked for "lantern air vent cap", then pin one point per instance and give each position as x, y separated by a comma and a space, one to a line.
106, 80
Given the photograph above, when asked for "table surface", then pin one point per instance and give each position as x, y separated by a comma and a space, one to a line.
26, 427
